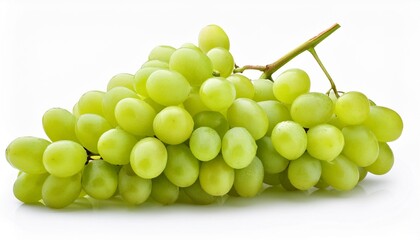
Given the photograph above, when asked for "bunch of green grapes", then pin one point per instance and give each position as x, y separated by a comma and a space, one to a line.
186, 126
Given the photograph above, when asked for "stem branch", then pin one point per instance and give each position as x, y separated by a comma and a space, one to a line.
315, 55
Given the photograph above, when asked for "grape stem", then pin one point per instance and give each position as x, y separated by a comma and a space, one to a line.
309, 45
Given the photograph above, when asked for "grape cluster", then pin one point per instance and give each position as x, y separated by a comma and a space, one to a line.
186, 124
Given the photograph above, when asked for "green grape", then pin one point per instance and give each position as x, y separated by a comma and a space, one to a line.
205, 143
248, 114
304, 172
25, 154
140, 80
272, 161
191, 45
148, 158
193, 64
385, 123
162, 53
336, 122
60, 192
214, 120
384, 162
217, 93
115, 146
89, 127
135, 116
285, 181
75, 110
276, 112
163, 191
91, 102
352, 108
212, 36
64, 158
272, 179
362, 173
360, 146
249, 180
243, 86
100, 179
28, 187
216, 177
193, 103
290, 84
110, 100
222, 61
58, 124
161, 84
238, 147
121, 80
341, 173
198, 195
311, 109
321, 184
182, 167
325, 142
289, 139
132, 188
173, 125
156, 64
263, 90
156, 106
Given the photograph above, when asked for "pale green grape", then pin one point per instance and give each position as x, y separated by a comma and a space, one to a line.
193, 104
384, 162
89, 127
190, 45
249, 180
263, 90
290, 84
272, 161
341, 173
25, 154
193, 64
156, 64
64, 158
205, 143
156, 106
362, 173
352, 108
385, 123
272, 179
75, 110
28, 187
173, 125
276, 112
148, 158
182, 167
248, 114
91, 102
60, 192
167, 87
212, 36
135, 116
100, 179
162, 53
216, 177
325, 142
238, 147
198, 195
214, 120
163, 191
304, 172
115, 146
217, 93
140, 80
222, 61
243, 86
110, 100
311, 109
289, 139
285, 181
58, 124
361, 145
121, 80
132, 188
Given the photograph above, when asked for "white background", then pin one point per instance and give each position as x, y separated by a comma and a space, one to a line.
51, 52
